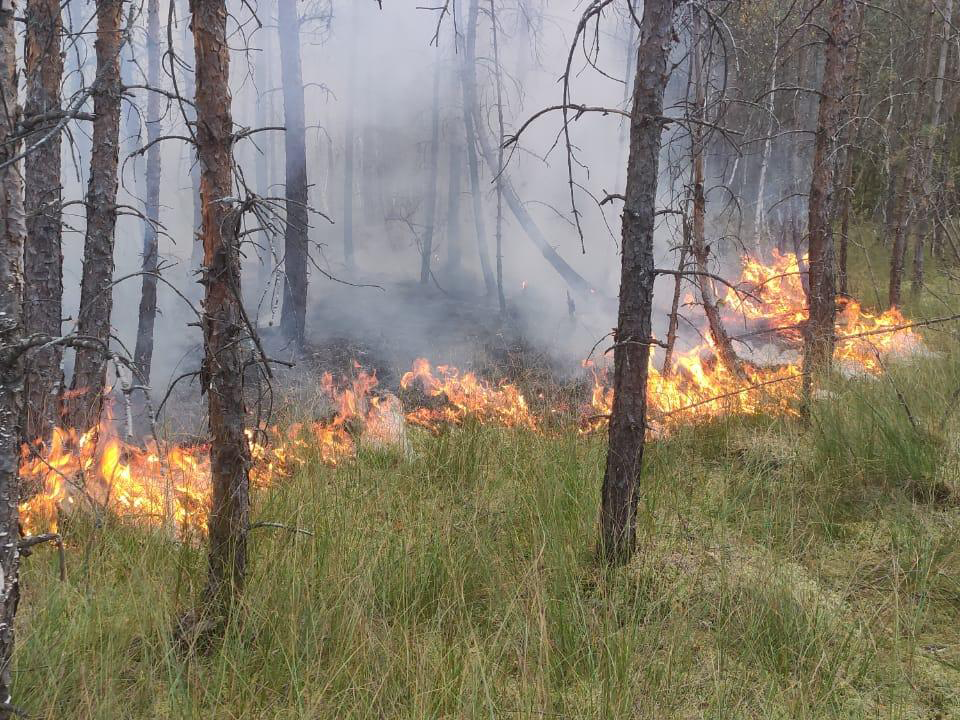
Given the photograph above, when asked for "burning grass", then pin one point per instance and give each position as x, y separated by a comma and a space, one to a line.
169, 486
783, 571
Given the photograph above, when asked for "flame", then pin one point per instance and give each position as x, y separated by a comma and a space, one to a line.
465, 395
771, 308
170, 487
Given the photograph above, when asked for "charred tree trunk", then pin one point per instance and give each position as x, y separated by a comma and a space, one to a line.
82, 408
470, 114
12, 236
618, 512
818, 333
295, 257
430, 192
223, 328
43, 257
143, 352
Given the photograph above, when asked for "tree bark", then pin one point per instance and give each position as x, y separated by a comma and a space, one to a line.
194, 265
430, 192
819, 329
698, 245
223, 328
470, 114
454, 260
851, 135
13, 233
907, 183
295, 257
633, 333
143, 351
82, 408
43, 257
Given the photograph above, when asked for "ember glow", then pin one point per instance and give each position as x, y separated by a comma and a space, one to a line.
768, 312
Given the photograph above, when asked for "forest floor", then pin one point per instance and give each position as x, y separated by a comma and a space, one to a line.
784, 570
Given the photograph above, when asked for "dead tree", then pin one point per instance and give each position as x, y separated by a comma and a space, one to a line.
468, 78
43, 257
454, 260
224, 331
13, 233
143, 351
82, 407
295, 258
633, 335
819, 328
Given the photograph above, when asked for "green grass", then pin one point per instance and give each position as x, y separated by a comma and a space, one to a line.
783, 571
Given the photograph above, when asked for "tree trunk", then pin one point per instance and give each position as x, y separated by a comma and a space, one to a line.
851, 134
760, 218
501, 299
699, 247
143, 352
223, 329
430, 192
454, 252
295, 257
633, 334
349, 141
12, 236
194, 266
470, 114
264, 82
82, 408
818, 334
43, 258
907, 183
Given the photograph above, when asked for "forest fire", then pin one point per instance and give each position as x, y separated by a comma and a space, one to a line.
170, 488
699, 386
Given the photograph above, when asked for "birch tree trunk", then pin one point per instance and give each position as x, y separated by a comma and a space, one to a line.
143, 351
223, 329
618, 510
295, 258
819, 329
43, 257
82, 407
13, 233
